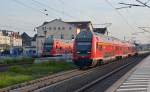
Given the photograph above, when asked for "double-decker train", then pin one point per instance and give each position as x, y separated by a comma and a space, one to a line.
55, 47
92, 48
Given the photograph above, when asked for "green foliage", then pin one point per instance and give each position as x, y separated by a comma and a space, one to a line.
7, 79
18, 74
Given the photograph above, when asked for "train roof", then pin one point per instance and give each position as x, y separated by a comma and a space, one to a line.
50, 39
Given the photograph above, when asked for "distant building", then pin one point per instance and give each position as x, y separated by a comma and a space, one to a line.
9, 39
26, 39
16, 39
33, 40
60, 30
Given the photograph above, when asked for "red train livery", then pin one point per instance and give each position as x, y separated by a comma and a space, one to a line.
92, 48
55, 47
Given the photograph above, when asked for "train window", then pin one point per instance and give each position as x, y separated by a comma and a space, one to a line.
100, 47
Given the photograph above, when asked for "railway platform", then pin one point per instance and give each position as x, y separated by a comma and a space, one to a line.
136, 80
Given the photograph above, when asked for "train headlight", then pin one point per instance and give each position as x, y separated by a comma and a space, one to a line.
78, 52
88, 52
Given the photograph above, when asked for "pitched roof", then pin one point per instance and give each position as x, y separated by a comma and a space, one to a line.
34, 38
80, 24
25, 36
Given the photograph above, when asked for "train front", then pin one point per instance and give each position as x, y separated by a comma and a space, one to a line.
48, 47
82, 49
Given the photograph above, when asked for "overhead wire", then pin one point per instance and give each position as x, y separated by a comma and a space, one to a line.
78, 10
125, 20
53, 9
27, 6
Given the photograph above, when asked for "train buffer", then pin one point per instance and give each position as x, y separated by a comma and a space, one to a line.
136, 80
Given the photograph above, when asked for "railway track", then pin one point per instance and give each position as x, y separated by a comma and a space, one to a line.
44, 82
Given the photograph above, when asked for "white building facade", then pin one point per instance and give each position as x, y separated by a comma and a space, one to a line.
9, 39
60, 30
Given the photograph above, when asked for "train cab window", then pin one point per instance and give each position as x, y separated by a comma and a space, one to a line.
84, 46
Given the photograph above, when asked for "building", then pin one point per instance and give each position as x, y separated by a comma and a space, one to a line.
16, 39
9, 39
26, 39
59, 29
4, 40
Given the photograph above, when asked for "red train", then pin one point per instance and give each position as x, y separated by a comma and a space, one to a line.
55, 47
92, 48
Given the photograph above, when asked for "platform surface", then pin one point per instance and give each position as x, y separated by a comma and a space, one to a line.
139, 79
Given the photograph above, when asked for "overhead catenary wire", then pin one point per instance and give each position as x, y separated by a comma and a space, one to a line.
78, 10
27, 6
53, 9
125, 20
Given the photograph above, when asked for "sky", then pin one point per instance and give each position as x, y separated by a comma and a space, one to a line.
25, 15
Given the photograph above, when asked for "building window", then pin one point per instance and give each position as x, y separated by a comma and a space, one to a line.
54, 28
63, 28
70, 28
62, 36
42, 28
50, 28
72, 36
58, 28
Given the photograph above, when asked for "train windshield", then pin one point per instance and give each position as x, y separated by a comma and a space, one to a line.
84, 46
48, 46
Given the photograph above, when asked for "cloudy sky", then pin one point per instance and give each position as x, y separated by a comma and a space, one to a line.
25, 15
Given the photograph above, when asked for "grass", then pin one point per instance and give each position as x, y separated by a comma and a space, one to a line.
18, 74
16, 60
7, 79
